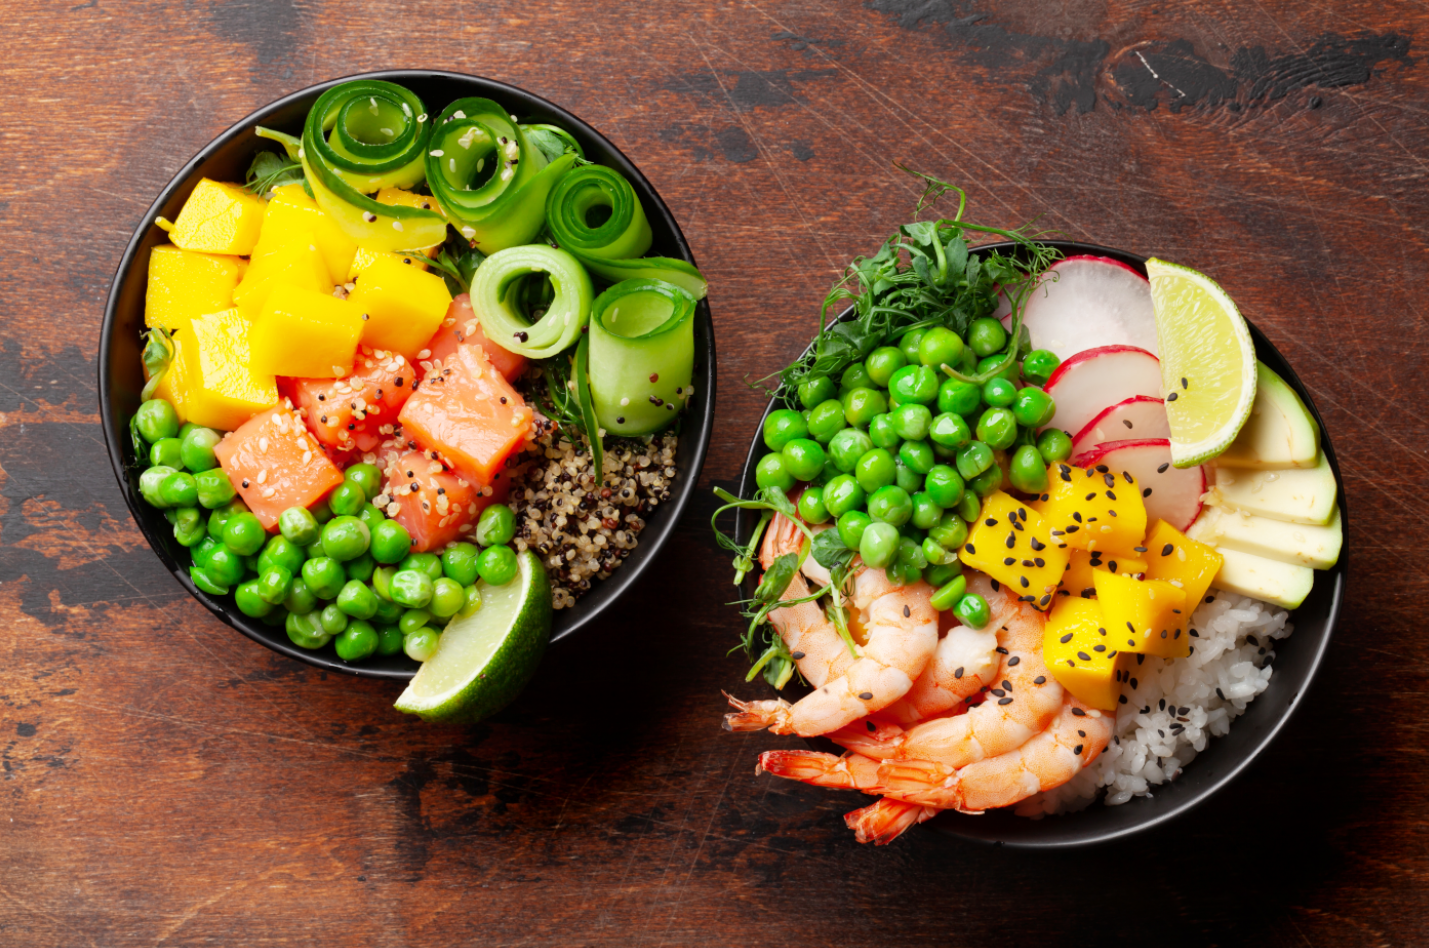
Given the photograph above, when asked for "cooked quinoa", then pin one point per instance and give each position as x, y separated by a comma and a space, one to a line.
584, 532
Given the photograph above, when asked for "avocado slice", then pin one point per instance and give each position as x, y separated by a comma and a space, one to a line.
1301, 544
1296, 495
1284, 584
1280, 433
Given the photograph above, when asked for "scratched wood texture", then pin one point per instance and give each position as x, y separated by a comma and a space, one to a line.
165, 781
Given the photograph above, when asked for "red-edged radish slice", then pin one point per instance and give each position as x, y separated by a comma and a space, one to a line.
1171, 494
1087, 302
1137, 417
1095, 378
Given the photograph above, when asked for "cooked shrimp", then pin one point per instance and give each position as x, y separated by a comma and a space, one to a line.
1048, 760
1023, 702
849, 772
784, 536
884, 821
816, 646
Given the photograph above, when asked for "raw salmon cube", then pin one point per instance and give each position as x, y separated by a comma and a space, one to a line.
462, 327
275, 463
435, 505
351, 413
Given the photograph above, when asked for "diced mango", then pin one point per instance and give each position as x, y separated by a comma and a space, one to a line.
366, 256
274, 463
1144, 615
402, 306
1079, 578
1080, 653
184, 284
295, 263
1093, 509
174, 386
219, 218
1012, 543
291, 210
305, 334
1174, 558
223, 391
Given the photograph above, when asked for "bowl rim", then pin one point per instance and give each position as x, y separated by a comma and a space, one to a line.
952, 825
652, 541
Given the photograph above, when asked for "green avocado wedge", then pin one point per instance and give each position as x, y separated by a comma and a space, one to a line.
484, 660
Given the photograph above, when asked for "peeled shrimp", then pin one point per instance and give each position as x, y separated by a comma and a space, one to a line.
883, 822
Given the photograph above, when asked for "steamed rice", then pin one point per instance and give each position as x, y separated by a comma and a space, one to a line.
1177, 706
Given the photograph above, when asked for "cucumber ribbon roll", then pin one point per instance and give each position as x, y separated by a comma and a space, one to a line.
488, 176
361, 137
536, 328
612, 249
642, 355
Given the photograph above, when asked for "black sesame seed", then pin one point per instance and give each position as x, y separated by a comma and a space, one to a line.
972, 549
1040, 680
907, 612
871, 728
1066, 638
1168, 549
1079, 712
1008, 560
1076, 515
1163, 467
1073, 529
1039, 561
999, 692
1121, 699
1011, 540
1146, 492
865, 696
1004, 701
1173, 396
959, 672
1000, 650
1084, 656
1110, 479
1220, 694
1025, 583
1101, 469
1110, 495
797, 655
1014, 660
990, 521
1037, 545
1091, 496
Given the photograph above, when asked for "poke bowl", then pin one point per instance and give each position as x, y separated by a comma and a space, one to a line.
1215, 762
677, 451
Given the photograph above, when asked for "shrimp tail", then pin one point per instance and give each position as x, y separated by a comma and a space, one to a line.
755, 715
870, 738
849, 772
883, 822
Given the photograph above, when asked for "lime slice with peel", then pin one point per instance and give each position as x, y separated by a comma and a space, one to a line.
484, 660
1207, 361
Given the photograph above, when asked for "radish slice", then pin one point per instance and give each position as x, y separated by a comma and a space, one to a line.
1004, 309
1086, 302
1170, 494
1137, 417
1095, 378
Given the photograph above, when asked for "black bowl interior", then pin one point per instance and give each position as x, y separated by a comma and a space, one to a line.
227, 159
1297, 659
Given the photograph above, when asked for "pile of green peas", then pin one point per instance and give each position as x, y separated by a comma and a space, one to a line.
340, 572
899, 455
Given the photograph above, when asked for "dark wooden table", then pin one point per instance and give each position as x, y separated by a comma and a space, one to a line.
166, 781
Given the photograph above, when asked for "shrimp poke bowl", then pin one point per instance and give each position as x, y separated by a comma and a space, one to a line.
405, 375
1032, 524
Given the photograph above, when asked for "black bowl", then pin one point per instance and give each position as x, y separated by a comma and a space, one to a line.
226, 158
1297, 660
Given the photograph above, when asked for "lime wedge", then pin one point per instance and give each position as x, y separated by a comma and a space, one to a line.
484, 660
1204, 341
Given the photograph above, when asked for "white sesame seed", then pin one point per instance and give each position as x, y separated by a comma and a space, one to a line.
436, 153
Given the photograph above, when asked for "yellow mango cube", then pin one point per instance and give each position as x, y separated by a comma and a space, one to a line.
291, 211
296, 263
402, 306
1011, 543
1093, 509
1079, 652
366, 256
1175, 558
1144, 615
304, 334
173, 387
219, 218
1079, 578
184, 284
223, 391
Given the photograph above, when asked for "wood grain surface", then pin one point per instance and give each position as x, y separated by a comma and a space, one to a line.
168, 782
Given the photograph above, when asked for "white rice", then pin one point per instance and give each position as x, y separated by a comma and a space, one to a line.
1229, 667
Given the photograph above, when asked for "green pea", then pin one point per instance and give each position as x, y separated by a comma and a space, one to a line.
214, 488
179, 489
906, 478
875, 469
185, 428
851, 526
890, 504
969, 507
413, 619
156, 420
862, 404
772, 471
826, 473
958, 397
366, 476
1008, 372
912, 421
298, 525
974, 458
881, 432
249, 602
948, 593
219, 518
382, 581
357, 600
224, 566
927, 512
391, 543
935, 553
846, 447
459, 562
879, 544
389, 640
165, 453
1027, 471
497, 565
826, 420
360, 568
274, 584
909, 344
322, 513
332, 619
998, 392
997, 428
883, 362
910, 553
1033, 407
244, 534
950, 430
1038, 366
197, 449
783, 426
300, 598
421, 644
856, 376
428, 563
843, 494
411, 588
280, 551
972, 611
448, 596
371, 516
473, 601
986, 482
986, 336
915, 383
388, 611
207, 583
345, 538
151, 483
917, 456
803, 459
944, 485
346, 500
811, 505
325, 576
940, 346
497, 523
188, 526
939, 574
1026, 436
305, 632
815, 391
1054, 445
357, 642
